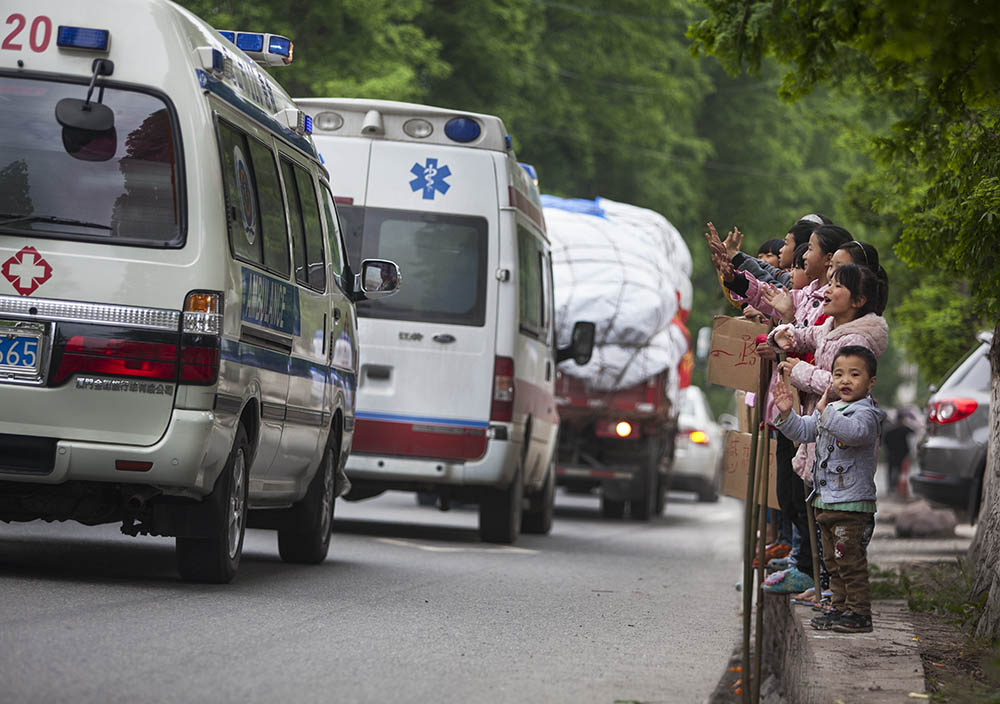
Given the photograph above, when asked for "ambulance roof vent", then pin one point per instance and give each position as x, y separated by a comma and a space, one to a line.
372, 124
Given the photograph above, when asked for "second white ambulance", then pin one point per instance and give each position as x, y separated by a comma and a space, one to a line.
455, 393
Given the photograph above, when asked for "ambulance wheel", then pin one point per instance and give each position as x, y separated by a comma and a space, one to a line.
537, 519
500, 512
216, 557
612, 508
305, 537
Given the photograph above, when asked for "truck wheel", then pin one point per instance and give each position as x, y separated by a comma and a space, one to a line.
643, 507
215, 558
537, 519
500, 511
305, 537
612, 508
662, 486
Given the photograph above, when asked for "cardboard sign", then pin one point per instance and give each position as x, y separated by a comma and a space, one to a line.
733, 359
736, 467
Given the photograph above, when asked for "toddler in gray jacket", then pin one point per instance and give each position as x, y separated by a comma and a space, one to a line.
845, 427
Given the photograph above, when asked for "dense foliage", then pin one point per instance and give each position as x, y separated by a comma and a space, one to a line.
602, 101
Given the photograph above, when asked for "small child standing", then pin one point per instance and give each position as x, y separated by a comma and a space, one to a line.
846, 433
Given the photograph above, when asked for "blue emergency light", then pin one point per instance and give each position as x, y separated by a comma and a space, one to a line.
231, 36
308, 125
462, 129
282, 46
250, 42
83, 38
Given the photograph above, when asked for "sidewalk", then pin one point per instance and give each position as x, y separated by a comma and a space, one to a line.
873, 668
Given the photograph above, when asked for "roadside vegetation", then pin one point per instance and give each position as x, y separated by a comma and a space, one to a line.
959, 668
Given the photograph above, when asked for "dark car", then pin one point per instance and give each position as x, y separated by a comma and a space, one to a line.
952, 453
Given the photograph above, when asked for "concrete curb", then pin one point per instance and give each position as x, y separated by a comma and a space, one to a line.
822, 667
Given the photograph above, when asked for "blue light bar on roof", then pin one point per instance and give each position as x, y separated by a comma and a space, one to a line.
250, 42
83, 38
282, 46
231, 36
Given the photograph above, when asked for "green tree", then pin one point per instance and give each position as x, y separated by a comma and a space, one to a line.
936, 170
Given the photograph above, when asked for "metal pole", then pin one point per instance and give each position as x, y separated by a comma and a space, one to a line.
748, 548
763, 475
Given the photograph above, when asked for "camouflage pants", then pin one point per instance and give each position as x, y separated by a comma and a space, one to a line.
846, 535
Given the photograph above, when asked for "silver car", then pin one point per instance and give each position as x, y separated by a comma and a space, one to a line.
698, 451
952, 453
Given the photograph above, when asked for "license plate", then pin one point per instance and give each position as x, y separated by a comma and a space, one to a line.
20, 350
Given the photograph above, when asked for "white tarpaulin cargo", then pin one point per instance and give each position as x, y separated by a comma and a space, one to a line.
627, 269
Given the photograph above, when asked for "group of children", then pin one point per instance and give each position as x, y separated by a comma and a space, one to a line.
826, 292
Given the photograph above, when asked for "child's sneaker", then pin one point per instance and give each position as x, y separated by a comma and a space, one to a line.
826, 621
791, 581
850, 622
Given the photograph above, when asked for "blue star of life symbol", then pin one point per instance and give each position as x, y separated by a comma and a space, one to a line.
431, 178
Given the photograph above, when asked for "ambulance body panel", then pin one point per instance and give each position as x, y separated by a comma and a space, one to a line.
180, 278
463, 221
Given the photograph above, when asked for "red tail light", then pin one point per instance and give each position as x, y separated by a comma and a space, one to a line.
503, 390
199, 365
950, 410
201, 327
112, 357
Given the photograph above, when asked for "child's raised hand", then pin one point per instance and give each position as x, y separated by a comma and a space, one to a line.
714, 243
723, 266
734, 241
784, 339
825, 397
780, 300
783, 398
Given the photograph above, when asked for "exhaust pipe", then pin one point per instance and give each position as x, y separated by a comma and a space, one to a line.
136, 501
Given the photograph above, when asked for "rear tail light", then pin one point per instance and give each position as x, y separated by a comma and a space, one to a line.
503, 390
950, 410
623, 428
201, 328
116, 357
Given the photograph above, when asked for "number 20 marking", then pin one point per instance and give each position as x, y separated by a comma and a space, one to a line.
38, 36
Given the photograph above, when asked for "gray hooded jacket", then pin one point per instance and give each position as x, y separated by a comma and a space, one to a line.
846, 448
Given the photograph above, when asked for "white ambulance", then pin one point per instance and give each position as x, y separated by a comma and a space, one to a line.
177, 324
455, 394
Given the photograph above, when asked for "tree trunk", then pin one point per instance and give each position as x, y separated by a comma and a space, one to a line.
984, 553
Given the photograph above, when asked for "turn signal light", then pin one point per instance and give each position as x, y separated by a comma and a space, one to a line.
698, 436
623, 429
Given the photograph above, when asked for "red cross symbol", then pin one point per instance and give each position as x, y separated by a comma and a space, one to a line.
26, 271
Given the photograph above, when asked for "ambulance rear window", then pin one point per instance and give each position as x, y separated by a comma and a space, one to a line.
441, 257
120, 186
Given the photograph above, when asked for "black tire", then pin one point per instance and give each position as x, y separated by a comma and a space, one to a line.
500, 511
305, 537
216, 557
662, 486
426, 498
612, 508
643, 507
537, 519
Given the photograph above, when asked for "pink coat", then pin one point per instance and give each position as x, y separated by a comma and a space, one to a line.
808, 307
870, 331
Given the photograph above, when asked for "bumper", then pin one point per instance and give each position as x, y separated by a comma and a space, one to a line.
495, 468
186, 461
945, 490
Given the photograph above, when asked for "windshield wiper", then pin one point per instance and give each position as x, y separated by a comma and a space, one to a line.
54, 220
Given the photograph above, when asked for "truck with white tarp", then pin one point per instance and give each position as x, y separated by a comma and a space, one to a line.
628, 270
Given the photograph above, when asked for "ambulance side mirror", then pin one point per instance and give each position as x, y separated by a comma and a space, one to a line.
378, 278
581, 347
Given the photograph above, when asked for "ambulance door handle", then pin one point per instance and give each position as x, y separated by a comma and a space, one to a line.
336, 314
548, 370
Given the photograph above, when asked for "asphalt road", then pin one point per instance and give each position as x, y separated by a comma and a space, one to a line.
409, 607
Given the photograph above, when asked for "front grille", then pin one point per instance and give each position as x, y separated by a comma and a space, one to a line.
27, 455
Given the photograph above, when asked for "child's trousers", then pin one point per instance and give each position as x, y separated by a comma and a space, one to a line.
846, 535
